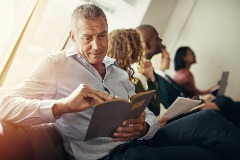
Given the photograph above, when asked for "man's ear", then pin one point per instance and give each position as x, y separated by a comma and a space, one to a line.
72, 36
147, 46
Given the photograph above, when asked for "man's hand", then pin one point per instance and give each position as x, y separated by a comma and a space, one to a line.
210, 105
79, 100
131, 128
163, 121
207, 97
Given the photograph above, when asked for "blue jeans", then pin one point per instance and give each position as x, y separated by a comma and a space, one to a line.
200, 136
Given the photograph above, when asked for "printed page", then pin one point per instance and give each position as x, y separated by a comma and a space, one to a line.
181, 105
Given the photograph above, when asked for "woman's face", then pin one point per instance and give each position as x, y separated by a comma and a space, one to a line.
189, 57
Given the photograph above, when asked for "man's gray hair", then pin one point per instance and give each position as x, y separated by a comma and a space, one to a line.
87, 11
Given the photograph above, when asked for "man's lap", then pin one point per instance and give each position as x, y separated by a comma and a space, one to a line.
169, 153
196, 136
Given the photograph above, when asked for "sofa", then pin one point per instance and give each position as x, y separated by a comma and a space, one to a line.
38, 142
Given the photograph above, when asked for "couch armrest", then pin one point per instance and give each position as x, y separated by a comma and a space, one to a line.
38, 142
14, 144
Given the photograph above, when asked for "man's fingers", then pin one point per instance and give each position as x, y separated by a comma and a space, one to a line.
95, 94
84, 97
163, 121
140, 119
96, 97
124, 136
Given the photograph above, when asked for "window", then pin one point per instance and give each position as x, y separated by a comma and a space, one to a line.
35, 29
32, 29
14, 16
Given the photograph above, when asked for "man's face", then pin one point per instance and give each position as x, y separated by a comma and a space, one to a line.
155, 44
91, 39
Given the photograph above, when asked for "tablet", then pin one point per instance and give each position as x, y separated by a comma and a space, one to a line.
223, 83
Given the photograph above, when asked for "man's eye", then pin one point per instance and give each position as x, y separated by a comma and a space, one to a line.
86, 38
102, 35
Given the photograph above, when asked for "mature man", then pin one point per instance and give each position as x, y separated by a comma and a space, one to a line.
57, 92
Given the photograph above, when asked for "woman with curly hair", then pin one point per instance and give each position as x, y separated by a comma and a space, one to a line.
127, 47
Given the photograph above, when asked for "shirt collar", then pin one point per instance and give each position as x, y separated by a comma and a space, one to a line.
71, 52
107, 60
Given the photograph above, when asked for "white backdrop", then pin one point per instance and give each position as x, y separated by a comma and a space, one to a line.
212, 29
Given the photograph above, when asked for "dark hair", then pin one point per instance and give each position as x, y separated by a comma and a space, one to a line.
178, 59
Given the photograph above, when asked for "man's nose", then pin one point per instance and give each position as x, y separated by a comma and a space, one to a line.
95, 43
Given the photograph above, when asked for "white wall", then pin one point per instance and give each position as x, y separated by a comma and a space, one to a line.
212, 29
158, 14
126, 15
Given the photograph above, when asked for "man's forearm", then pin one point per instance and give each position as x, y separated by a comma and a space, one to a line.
26, 111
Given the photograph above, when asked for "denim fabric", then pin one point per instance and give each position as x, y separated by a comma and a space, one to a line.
199, 136
229, 108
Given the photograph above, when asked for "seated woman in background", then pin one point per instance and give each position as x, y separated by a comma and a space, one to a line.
169, 89
183, 60
126, 46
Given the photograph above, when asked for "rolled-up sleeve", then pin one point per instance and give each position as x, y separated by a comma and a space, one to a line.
31, 102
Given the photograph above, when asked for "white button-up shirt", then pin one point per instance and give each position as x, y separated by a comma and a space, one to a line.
56, 77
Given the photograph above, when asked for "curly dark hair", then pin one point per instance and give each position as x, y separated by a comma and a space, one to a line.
127, 47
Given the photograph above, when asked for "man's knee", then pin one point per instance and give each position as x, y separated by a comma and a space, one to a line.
224, 103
